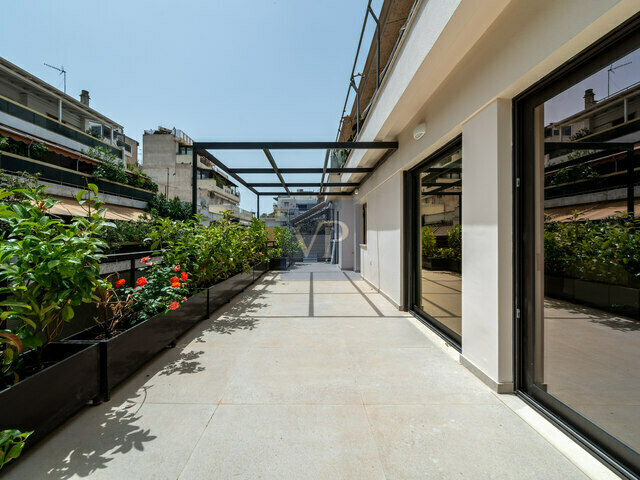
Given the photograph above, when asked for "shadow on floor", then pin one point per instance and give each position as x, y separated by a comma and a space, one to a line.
600, 317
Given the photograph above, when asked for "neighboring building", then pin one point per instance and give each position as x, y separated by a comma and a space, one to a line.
287, 208
167, 157
501, 142
33, 112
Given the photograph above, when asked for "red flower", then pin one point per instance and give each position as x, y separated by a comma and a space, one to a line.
174, 305
259, 253
184, 276
184, 299
120, 282
145, 259
174, 279
176, 268
175, 284
141, 282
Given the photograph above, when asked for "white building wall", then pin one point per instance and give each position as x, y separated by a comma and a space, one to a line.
382, 256
487, 286
457, 60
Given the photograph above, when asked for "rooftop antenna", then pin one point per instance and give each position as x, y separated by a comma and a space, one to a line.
62, 72
611, 70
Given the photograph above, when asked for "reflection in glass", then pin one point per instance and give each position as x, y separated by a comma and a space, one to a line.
587, 348
441, 234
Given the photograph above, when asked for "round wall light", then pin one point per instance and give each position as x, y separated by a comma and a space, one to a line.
419, 131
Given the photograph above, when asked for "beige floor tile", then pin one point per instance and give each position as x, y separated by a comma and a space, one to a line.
286, 442
463, 441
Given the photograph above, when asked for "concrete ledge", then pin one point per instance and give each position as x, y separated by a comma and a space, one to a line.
488, 381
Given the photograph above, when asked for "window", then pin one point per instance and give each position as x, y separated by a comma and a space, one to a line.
566, 131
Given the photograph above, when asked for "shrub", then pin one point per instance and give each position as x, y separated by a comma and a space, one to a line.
604, 250
285, 242
161, 288
110, 167
129, 232
48, 267
173, 209
428, 241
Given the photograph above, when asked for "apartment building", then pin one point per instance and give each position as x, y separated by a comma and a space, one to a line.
49, 134
167, 157
504, 221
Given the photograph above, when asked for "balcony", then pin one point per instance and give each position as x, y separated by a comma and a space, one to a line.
239, 213
307, 374
226, 192
67, 177
23, 118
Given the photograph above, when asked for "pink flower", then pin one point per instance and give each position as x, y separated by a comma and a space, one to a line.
145, 259
184, 299
174, 305
176, 268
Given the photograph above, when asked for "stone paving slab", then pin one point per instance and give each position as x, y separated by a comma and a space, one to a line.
286, 383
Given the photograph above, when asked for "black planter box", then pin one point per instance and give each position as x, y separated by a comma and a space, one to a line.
611, 298
43, 401
279, 263
223, 292
433, 263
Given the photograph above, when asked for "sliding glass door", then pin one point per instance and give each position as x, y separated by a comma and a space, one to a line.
436, 228
579, 248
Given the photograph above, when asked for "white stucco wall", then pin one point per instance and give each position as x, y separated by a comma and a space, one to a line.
454, 65
487, 286
382, 258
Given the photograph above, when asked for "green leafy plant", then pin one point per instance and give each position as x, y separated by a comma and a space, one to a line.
4, 143
48, 267
161, 288
285, 242
428, 241
127, 232
11, 445
110, 167
603, 251
173, 209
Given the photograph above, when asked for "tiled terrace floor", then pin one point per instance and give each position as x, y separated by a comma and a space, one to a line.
310, 374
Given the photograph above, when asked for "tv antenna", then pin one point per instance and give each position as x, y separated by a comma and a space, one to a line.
611, 70
63, 72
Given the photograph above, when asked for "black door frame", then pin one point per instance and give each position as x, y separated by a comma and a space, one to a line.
412, 242
608, 449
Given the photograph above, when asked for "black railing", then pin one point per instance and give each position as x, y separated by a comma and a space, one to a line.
63, 176
379, 72
23, 113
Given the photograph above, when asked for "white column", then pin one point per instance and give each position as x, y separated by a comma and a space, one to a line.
346, 232
487, 284
60, 110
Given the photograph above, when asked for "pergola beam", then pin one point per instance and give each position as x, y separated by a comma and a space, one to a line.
275, 169
294, 145
301, 170
295, 194
306, 184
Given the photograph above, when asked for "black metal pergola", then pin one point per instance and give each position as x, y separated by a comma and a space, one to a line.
202, 148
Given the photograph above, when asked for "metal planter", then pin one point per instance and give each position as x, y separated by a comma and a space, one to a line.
43, 401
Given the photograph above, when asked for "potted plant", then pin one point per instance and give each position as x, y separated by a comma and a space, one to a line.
47, 268
285, 245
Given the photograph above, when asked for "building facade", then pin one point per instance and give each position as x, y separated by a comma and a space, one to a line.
168, 159
505, 220
49, 133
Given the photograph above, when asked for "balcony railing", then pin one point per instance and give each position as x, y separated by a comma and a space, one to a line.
65, 176
379, 58
24, 113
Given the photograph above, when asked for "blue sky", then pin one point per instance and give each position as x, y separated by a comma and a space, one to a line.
218, 70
